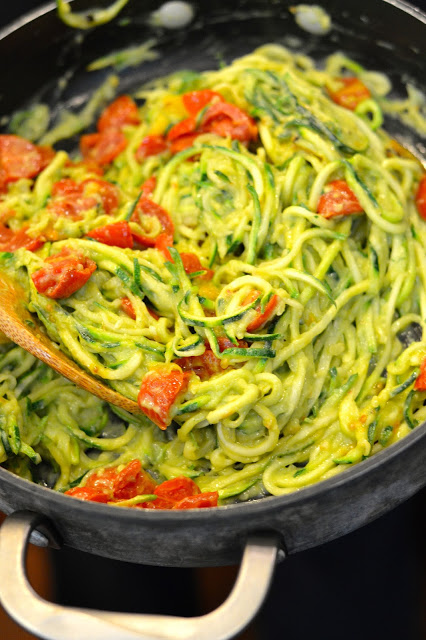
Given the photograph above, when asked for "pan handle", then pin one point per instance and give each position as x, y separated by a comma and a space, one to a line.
53, 622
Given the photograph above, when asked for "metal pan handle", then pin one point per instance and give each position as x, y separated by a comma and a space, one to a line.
53, 622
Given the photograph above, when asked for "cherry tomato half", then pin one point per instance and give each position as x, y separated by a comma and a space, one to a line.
19, 158
119, 113
13, 240
150, 146
351, 94
117, 234
338, 200
160, 390
421, 198
420, 383
103, 147
147, 207
64, 274
192, 264
225, 119
194, 101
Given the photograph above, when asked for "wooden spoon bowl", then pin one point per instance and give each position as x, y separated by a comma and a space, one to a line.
25, 330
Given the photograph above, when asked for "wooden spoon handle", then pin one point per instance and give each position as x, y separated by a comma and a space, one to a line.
22, 328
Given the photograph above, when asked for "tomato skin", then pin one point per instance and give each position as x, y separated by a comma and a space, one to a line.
191, 264
132, 481
160, 389
225, 119
351, 94
65, 187
177, 488
182, 143
119, 113
200, 501
194, 101
148, 186
85, 493
13, 240
204, 366
19, 158
148, 207
182, 128
150, 146
265, 316
107, 192
338, 200
71, 206
162, 243
420, 383
102, 148
421, 197
111, 485
46, 155
127, 307
117, 234
79, 197
64, 274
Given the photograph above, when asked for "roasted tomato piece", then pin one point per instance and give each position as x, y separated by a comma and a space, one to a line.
194, 101
162, 243
182, 128
71, 206
159, 503
201, 501
112, 485
148, 186
65, 187
86, 493
68, 199
132, 481
420, 383
117, 234
338, 200
182, 143
46, 154
177, 489
150, 146
421, 198
192, 264
102, 148
351, 94
147, 207
204, 366
127, 307
119, 113
13, 240
19, 158
160, 391
208, 364
107, 192
78, 197
268, 312
102, 480
64, 274
226, 119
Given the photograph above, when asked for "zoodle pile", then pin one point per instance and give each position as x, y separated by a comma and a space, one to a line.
240, 251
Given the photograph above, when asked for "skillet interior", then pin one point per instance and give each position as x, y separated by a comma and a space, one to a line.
316, 514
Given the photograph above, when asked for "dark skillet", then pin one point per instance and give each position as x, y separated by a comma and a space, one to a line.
384, 35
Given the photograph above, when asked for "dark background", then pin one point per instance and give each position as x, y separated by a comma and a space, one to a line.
371, 584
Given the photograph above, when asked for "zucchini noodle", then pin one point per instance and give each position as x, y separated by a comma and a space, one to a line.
322, 317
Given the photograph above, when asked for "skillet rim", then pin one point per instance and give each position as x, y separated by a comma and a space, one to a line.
257, 507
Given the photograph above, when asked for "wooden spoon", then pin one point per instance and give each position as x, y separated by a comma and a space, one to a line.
24, 329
